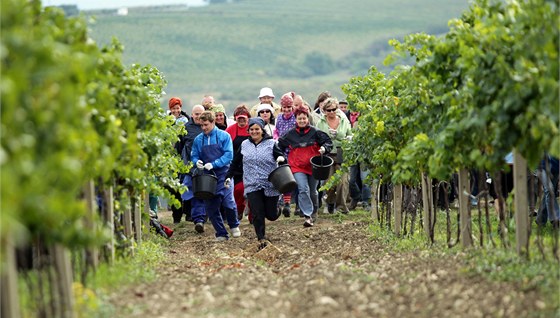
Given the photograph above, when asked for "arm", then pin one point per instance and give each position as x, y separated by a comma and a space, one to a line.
324, 140
277, 152
236, 167
227, 147
195, 152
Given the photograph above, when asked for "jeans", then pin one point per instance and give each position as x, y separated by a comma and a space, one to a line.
307, 196
548, 183
358, 174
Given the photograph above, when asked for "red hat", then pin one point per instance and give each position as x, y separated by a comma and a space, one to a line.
287, 100
175, 101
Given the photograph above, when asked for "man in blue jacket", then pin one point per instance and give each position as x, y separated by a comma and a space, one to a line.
213, 151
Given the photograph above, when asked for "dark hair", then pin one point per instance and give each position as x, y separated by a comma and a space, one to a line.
324, 95
241, 110
207, 115
301, 110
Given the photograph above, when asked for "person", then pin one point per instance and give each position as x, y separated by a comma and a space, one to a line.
548, 173
266, 96
266, 112
194, 206
175, 108
305, 142
181, 118
213, 151
221, 117
238, 133
337, 126
359, 189
285, 122
207, 102
343, 106
257, 158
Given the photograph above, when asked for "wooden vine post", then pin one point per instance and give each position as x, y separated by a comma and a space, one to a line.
374, 190
427, 198
521, 204
137, 214
398, 205
108, 219
92, 253
464, 209
63, 269
9, 280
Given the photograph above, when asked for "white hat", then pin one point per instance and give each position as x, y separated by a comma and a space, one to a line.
266, 91
263, 107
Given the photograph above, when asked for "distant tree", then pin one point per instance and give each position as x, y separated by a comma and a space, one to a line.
70, 10
319, 63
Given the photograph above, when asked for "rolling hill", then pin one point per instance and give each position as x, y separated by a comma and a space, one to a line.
231, 50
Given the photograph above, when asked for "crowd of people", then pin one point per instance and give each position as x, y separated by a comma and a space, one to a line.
243, 150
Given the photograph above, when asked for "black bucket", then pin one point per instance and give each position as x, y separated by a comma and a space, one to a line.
282, 179
204, 186
320, 167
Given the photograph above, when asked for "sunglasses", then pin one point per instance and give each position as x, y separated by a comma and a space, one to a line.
330, 110
264, 111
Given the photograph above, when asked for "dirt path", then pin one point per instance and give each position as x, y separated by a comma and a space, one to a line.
331, 270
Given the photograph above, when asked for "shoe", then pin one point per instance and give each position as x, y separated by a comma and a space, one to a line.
199, 227
344, 211
236, 232
262, 244
286, 210
353, 204
330, 208
221, 238
308, 222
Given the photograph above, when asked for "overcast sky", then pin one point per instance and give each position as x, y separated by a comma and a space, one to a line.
112, 4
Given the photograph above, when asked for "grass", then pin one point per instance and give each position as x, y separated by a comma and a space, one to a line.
231, 50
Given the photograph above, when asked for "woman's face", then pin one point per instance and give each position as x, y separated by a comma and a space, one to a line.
175, 110
241, 121
330, 111
265, 115
220, 118
302, 120
287, 109
256, 132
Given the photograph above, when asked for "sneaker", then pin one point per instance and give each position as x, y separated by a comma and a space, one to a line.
221, 238
199, 227
330, 208
236, 232
308, 222
286, 210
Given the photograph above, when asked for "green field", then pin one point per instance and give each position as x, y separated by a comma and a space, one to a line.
231, 50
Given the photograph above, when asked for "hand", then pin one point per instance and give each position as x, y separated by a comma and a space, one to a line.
333, 132
200, 164
280, 159
322, 150
349, 138
227, 183
208, 166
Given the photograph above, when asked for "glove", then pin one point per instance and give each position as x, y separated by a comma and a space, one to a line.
208, 166
349, 138
322, 150
227, 183
200, 164
280, 159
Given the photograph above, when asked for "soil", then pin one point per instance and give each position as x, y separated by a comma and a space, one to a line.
334, 269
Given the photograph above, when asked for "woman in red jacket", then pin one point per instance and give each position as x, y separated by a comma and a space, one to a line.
239, 133
305, 142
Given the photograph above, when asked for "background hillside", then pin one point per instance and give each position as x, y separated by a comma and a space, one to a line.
231, 50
